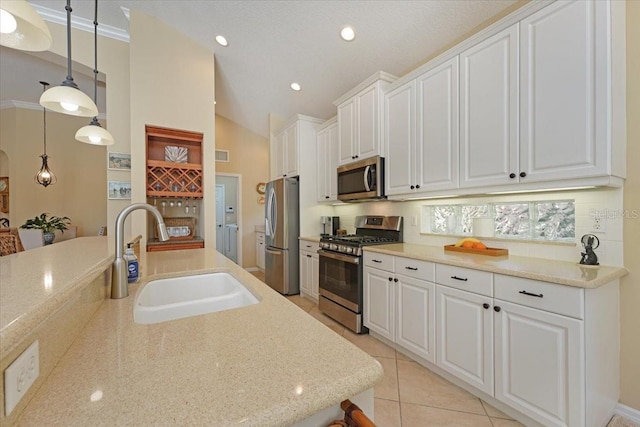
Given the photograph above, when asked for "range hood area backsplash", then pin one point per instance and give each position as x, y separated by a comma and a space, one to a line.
604, 200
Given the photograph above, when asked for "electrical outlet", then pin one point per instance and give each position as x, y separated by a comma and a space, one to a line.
599, 224
414, 220
20, 376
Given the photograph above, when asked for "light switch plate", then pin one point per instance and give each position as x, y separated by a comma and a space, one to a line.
20, 376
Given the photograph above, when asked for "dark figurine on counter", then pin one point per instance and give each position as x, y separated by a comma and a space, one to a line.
589, 257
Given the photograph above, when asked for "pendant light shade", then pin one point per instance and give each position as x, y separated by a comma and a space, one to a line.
67, 98
93, 133
45, 176
22, 28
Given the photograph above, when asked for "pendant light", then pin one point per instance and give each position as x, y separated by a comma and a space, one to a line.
93, 133
67, 98
22, 28
45, 176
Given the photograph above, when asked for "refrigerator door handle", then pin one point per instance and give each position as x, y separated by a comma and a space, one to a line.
272, 252
272, 216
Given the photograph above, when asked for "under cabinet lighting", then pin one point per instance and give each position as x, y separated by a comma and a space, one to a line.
347, 34
296, 87
222, 41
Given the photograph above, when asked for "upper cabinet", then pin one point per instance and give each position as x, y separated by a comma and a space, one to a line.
327, 158
489, 110
289, 143
421, 132
360, 119
541, 105
174, 162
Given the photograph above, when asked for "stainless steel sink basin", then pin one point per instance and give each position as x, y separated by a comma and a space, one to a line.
176, 298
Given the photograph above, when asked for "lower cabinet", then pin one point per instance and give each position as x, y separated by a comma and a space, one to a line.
309, 270
399, 307
464, 336
260, 250
537, 347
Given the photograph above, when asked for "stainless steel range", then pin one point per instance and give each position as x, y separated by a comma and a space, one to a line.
341, 280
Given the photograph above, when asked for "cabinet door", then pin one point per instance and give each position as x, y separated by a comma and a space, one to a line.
332, 166
315, 276
322, 159
291, 148
260, 255
278, 153
436, 154
539, 362
464, 336
488, 111
368, 123
379, 302
563, 75
346, 131
305, 272
399, 114
416, 318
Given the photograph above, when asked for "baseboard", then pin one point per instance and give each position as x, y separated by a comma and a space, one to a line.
252, 269
628, 412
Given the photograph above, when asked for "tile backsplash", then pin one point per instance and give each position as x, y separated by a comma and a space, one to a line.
603, 202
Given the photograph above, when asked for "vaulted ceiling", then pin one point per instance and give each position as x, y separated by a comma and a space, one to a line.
275, 43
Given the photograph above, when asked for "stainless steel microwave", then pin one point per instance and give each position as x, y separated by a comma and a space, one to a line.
361, 180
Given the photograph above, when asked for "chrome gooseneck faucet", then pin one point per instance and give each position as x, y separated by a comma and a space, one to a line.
119, 284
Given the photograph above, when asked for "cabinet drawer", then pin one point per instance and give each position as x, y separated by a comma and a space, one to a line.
380, 261
259, 237
480, 282
309, 246
560, 299
418, 269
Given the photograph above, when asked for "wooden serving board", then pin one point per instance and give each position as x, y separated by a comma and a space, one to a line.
487, 252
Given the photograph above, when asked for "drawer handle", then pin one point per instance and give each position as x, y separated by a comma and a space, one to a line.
459, 278
377, 260
309, 246
412, 268
309, 256
530, 294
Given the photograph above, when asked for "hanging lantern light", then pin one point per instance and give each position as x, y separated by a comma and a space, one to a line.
45, 176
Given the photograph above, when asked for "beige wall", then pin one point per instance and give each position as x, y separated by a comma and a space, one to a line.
80, 192
630, 289
171, 85
249, 157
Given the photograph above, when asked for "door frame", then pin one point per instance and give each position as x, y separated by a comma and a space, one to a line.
238, 212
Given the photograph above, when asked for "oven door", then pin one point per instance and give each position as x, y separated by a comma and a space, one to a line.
341, 279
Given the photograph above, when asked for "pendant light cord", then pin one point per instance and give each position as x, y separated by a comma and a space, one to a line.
95, 49
44, 119
68, 9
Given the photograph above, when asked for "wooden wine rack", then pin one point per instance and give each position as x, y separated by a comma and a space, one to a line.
173, 179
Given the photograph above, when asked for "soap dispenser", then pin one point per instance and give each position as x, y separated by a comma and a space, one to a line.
133, 268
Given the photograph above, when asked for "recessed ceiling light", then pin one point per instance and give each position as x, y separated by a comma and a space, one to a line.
295, 86
222, 41
348, 34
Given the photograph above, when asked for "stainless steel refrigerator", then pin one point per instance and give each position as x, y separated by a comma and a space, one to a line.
282, 228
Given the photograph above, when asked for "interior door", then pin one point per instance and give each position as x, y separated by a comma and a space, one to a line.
220, 218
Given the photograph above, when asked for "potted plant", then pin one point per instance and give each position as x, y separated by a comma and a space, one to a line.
48, 225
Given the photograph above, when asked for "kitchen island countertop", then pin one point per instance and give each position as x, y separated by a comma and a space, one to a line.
263, 365
560, 272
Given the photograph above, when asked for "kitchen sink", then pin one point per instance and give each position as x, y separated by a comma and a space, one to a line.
179, 297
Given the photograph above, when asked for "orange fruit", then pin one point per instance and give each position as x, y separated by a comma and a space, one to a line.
479, 245
468, 245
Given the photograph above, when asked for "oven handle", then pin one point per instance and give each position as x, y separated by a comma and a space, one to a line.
339, 257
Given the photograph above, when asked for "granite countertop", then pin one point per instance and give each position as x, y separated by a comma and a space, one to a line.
560, 272
262, 365
157, 242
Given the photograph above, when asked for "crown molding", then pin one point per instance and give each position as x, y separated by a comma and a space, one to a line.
32, 106
82, 24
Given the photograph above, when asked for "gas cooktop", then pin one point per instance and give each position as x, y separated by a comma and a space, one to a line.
371, 230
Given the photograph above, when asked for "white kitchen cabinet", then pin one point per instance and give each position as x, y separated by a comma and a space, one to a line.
260, 250
464, 336
421, 132
399, 304
564, 123
309, 269
360, 119
539, 363
489, 111
327, 157
299, 131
